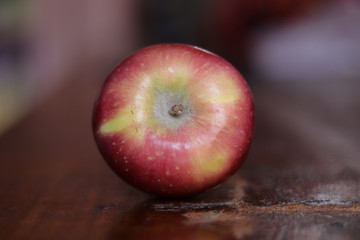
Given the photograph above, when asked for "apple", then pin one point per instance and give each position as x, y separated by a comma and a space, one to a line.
174, 120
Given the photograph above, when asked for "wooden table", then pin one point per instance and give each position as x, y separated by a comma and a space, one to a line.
301, 179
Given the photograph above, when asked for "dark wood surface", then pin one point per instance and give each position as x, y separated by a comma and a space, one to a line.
301, 179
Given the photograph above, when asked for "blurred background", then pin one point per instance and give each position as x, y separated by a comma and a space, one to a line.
301, 178
45, 43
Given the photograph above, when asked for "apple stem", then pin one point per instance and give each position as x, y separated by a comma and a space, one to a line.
176, 110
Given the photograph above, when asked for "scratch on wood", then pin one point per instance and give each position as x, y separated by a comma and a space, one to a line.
104, 207
295, 208
186, 207
241, 207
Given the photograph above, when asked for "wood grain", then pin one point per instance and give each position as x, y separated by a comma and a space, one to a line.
300, 181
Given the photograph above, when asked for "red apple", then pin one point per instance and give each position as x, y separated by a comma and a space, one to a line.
174, 120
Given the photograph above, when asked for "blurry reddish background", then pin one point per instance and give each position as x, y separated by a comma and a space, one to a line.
44, 42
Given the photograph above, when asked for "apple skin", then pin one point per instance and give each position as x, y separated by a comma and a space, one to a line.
164, 154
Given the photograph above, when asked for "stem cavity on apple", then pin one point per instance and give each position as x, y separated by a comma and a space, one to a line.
171, 108
176, 110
